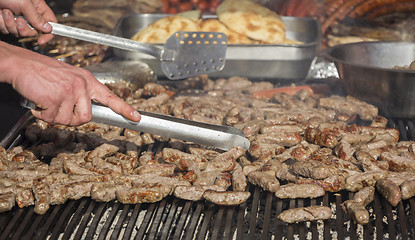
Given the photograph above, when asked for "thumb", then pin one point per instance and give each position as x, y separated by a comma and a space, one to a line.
35, 19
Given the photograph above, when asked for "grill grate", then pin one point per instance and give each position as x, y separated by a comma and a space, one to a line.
176, 219
173, 218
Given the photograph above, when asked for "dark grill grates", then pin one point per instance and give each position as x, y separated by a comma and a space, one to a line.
177, 219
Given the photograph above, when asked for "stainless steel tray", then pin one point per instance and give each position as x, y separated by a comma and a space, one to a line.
262, 62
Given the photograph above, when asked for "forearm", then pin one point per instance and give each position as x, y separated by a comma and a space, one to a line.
8, 59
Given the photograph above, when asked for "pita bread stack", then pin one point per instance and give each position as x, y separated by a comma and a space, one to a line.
243, 22
214, 25
160, 30
252, 19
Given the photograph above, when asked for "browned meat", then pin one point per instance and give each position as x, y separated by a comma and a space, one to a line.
127, 163
78, 190
189, 176
7, 201
225, 162
162, 169
226, 198
239, 182
194, 193
287, 139
312, 213
398, 163
72, 167
365, 179
24, 197
143, 193
42, 195
184, 161
105, 192
379, 121
206, 178
264, 180
344, 150
134, 137
252, 128
145, 158
293, 190
102, 151
224, 180
356, 211
408, 189
369, 163
58, 194
333, 183
204, 153
285, 173
103, 167
364, 196
265, 151
389, 190
290, 128
314, 170
253, 166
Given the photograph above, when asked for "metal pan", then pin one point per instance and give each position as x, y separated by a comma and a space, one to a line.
367, 72
262, 62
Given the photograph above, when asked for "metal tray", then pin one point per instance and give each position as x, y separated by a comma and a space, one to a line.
257, 62
367, 72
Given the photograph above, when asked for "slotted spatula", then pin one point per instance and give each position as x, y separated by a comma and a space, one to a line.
185, 54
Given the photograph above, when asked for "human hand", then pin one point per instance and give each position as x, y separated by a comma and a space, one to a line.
37, 13
61, 91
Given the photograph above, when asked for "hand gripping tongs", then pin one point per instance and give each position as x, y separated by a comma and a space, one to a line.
221, 137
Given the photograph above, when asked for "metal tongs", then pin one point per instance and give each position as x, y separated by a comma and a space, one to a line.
221, 137
185, 54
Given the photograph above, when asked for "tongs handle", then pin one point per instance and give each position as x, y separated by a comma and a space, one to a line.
112, 41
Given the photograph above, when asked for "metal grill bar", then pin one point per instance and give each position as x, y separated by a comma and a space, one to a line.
194, 221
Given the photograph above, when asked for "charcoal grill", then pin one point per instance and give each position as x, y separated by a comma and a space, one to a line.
173, 218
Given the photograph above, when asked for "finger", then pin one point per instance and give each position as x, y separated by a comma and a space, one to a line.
9, 21
24, 29
46, 114
44, 38
36, 19
106, 97
82, 112
65, 113
3, 28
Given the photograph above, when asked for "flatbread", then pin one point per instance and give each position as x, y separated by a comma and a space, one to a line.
160, 30
252, 19
214, 25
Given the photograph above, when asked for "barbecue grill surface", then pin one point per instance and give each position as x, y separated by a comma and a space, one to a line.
173, 218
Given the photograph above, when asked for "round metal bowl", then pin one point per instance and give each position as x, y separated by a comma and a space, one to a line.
367, 71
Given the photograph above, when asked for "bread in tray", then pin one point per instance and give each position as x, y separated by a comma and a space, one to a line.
244, 22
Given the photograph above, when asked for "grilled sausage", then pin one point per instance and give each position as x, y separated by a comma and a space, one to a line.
408, 189
226, 198
7, 201
42, 195
364, 196
194, 193
312, 213
293, 190
264, 180
356, 211
389, 190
